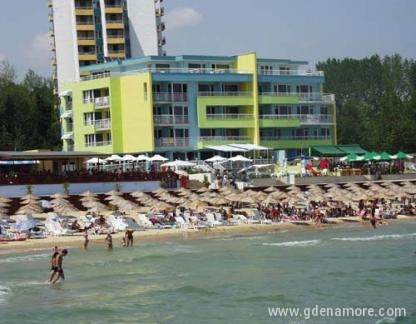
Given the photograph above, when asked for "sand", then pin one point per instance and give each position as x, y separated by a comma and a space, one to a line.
77, 240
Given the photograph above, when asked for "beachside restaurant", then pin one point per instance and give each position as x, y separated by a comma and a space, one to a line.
52, 167
352, 160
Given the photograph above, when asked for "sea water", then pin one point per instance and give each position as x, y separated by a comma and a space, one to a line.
220, 279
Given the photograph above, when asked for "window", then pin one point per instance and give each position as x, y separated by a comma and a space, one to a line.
145, 90
324, 111
282, 88
303, 88
162, 68
304, 110
283, 70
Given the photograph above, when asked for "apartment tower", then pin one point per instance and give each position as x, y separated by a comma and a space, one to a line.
86, 32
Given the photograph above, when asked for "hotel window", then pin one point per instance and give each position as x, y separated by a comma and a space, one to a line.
282, 88
196, 67
162, 68
304, 110
284, 70
324, 111
304, 89
324, 132
266, 69
220, 67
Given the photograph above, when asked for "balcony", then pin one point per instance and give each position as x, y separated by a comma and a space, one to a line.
230, 116
102, 124
95, 144
291, 72
170, 120
224, 138
295, 142
96, 76
172, 141
102, 102
170, 97
308, 119
225, 93
66, 113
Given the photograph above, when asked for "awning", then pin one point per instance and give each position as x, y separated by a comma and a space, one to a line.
351, 149
328, 150
66, 136
225, 148
249, 147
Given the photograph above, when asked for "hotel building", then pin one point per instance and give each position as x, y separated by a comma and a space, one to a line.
181, 106
85, 32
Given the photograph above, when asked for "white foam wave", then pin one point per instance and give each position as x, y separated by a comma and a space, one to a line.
377, 237
4, 293
294, 243
386, 320
26, 258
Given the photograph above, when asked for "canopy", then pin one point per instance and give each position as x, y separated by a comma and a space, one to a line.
328, 150
128, 157
383, 157
225, 148
178, 163
114, 157
249, 147
239, 158
142, 157
158, 157
401, 156
216, 158
95, 160
352, 157
352, 148
370, 156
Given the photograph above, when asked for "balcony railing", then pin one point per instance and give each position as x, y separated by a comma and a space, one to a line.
170, 119
103, 124
304, 96
187, 70
291, 72
224, 138
304, 119
169, 96
230, 116
294, 138
172, 141
96, 76
101, 102
103, 143
225, 93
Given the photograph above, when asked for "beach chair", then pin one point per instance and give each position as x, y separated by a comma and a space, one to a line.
211, 221
144, 222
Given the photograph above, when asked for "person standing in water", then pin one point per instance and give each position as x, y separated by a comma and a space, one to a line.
57, 272
109, 241
129, 237
86, 240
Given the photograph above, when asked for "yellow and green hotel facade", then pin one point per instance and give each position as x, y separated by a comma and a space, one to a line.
180, 106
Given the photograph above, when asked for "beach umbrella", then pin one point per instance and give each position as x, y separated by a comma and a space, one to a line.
95, 160
142, 157
128, 157
216, 158
239, 158
270, 189
401, 156
114, 157
178, 163
158, 158
383, 157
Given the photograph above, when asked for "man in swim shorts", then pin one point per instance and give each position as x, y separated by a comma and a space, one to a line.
57, 271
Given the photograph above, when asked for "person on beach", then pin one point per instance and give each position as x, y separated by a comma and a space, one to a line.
129, 237
57, 271
86, 240
109, 241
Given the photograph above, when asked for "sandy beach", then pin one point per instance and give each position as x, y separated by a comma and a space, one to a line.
151, 235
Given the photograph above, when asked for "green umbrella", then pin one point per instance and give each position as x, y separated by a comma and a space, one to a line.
352, 157
401, 156
383, 157
369, 156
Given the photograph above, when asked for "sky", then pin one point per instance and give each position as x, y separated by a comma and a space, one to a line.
307, 30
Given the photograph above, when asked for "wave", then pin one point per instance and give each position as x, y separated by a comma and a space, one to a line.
294, 243
26, 258
386, 320
196, 290
279, 298
4, 292
377, 237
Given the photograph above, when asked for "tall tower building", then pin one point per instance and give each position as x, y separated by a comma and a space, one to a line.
85, 32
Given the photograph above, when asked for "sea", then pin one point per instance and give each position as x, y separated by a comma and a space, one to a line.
232, 279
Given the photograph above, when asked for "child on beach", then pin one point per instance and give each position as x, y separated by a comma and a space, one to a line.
109, 240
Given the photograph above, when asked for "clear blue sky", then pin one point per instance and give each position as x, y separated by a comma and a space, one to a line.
311, 30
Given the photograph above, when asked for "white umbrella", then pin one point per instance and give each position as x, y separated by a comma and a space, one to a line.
95, 160
128, 157
178, 163
239, 158
216, 158
114, 157
142, 157
158, 157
